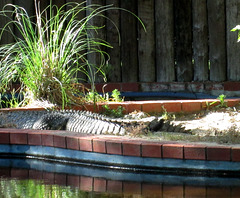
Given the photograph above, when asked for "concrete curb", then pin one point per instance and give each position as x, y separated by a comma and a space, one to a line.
135, 154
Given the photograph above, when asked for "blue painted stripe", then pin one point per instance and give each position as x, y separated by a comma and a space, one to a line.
75, 156
111, 174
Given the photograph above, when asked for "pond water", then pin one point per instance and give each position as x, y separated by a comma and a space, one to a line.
43, 179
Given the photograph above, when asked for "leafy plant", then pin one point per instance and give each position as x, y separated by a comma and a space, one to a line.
96, 97
116, 113
166, 115
50, 52
11, 100
237, 28
116, 96
93, 96
222, 101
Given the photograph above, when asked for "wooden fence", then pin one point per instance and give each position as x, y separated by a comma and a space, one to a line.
186, 40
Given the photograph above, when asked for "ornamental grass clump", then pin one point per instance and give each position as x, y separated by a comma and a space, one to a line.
51, 50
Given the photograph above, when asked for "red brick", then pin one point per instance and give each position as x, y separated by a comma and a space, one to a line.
85, 144
154, 87
100, 185
72, 143
232, 102
154, 190
77, 108
19, 173
152, 107
219, 192
91, 107
191, 106
18, 138
151, 150
196, 87
219, 153
131, 188
73, 180
5, 172
195, 152
47, 140
60, 179
129, 87
114, 105
206, 103
213, 86
35, 174
34, 139
171, 106
86, 183
209, 103
173, 191
48, 178
4, 137
98, 87
172, 151
195, 191
231, 86
59, 141
177, 86
114, 147
131, 148
132, 106
236, 154
109, 87
99, 146
114, 186
235, 191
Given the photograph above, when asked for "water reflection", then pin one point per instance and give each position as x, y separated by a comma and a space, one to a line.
31, 182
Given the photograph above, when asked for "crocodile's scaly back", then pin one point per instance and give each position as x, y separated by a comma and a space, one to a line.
78, 121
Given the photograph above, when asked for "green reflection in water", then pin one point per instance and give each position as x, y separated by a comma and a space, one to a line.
11, 188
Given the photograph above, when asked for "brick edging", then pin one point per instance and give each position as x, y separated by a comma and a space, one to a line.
120, 145
155, 106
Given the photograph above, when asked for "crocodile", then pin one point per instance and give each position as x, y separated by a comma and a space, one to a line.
82, 122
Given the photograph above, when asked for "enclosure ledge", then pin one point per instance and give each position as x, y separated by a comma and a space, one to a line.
120, 151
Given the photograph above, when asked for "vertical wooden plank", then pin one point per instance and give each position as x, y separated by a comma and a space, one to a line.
6, 37
27, 4
44, 3
94, 58
217, 39
183, 33
59, 3
129, 50
146, 43
164, 41
113, 37
233, 48
200, 40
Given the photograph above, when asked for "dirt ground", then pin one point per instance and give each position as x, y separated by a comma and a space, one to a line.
219, 125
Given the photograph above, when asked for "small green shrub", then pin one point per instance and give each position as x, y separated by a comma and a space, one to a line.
50, 52
116, 96
12, 100
237, 28
116, 113
222, 101
93, 96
